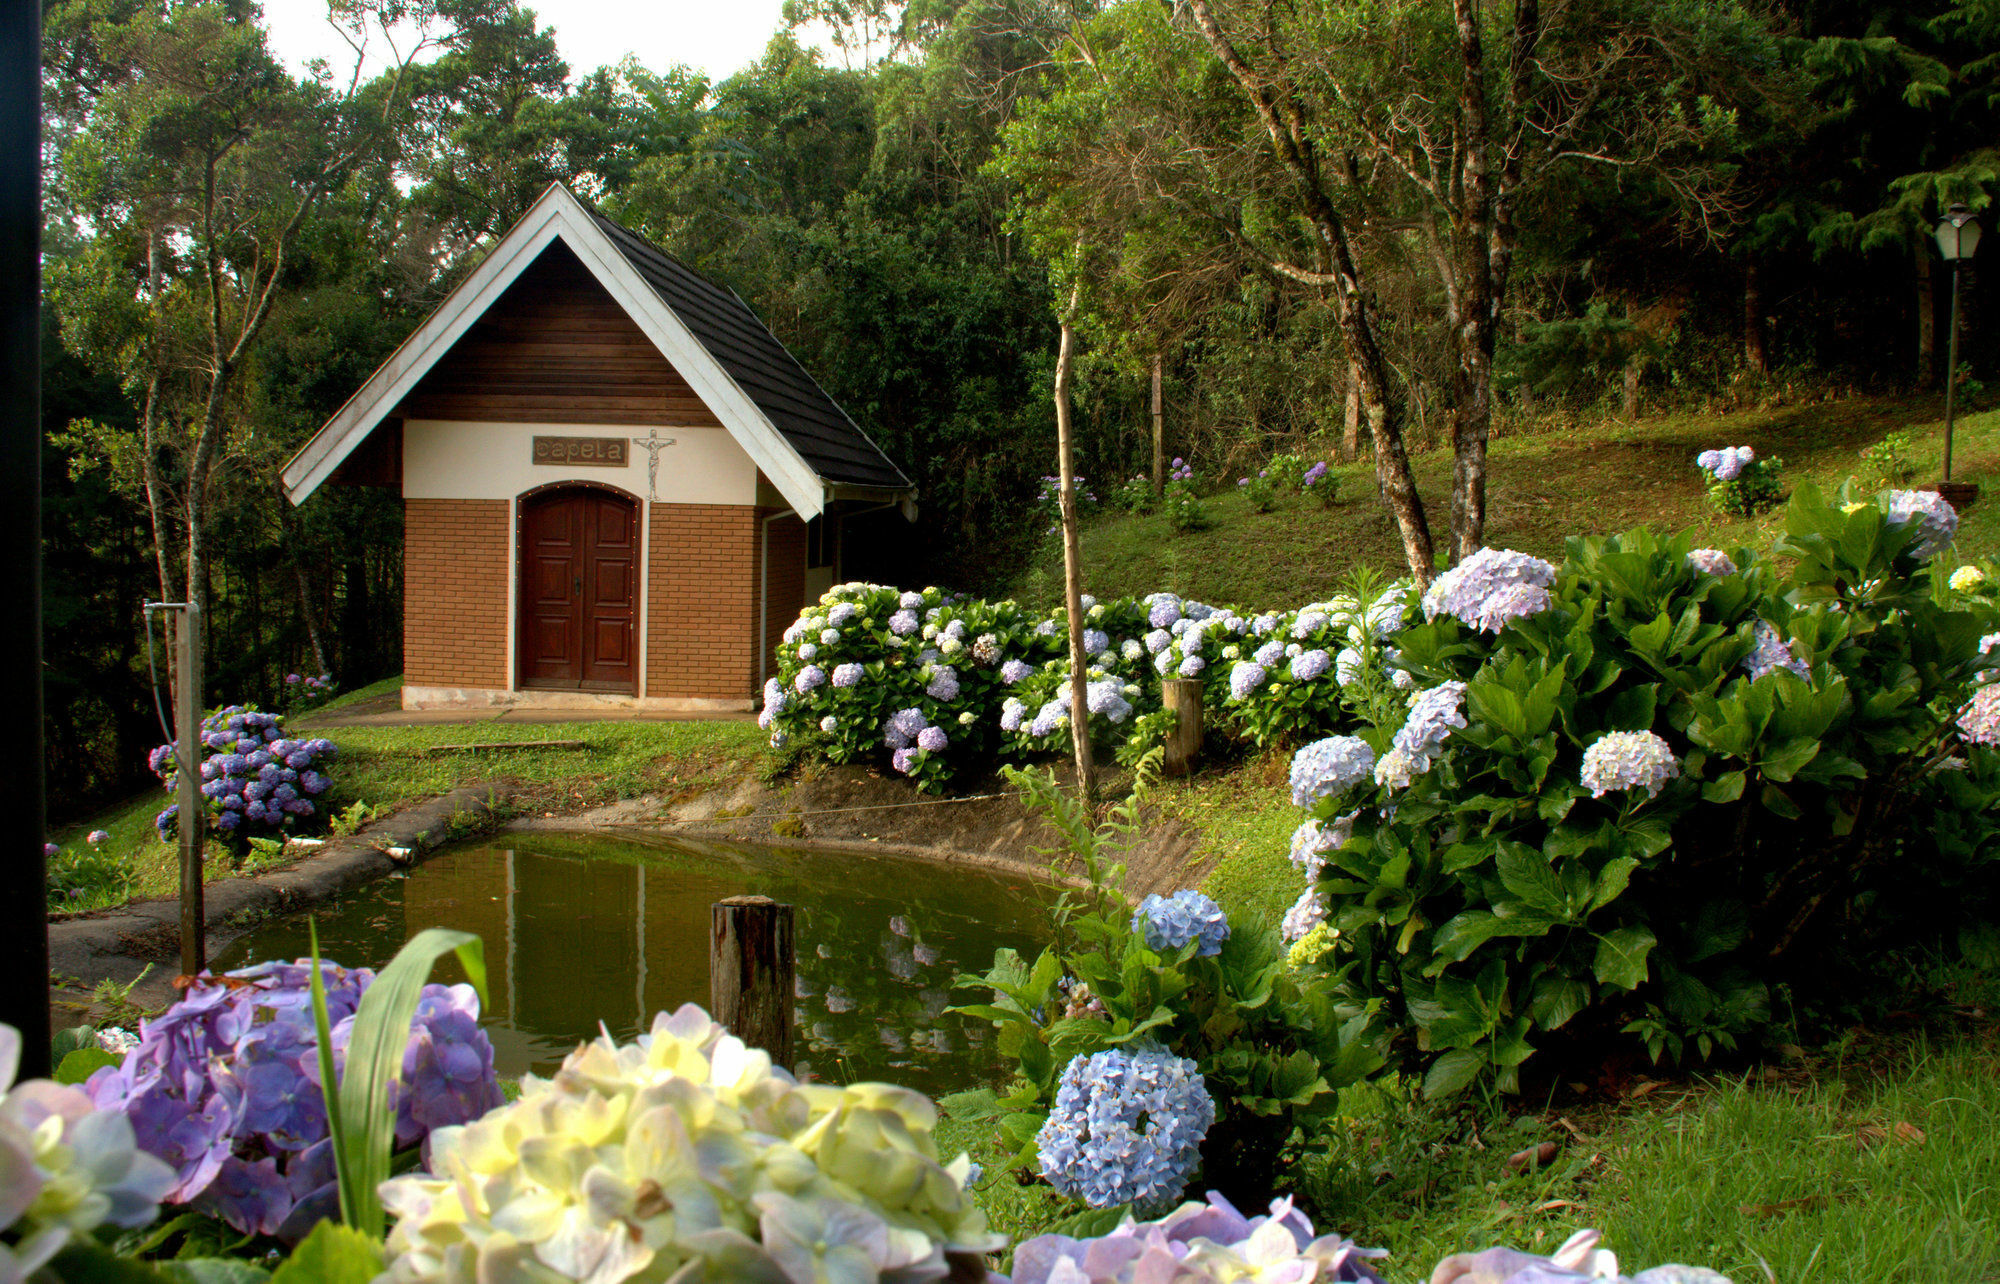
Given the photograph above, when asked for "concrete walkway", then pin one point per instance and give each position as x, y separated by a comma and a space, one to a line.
448, 717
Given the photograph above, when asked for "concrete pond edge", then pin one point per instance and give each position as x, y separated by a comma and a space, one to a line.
118, 944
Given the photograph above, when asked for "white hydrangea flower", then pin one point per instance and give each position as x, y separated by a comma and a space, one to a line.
1967, 578
1628, 760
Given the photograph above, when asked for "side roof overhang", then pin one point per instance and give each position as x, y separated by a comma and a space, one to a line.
807, 446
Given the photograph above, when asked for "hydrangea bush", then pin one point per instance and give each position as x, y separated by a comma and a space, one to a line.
686, 1151
1632, 801
224, 1088
256, 781
1269, 1045
1740, 482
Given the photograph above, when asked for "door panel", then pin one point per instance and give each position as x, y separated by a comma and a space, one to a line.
579, 591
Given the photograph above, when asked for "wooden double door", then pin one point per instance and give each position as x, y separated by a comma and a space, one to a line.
579, 591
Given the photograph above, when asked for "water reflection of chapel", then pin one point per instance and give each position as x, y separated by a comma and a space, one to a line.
618, 486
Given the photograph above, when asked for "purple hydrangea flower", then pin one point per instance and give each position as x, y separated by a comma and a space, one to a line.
1245, 677
903, 623
1162, 610
902, 728
1979, 720
1773, 653
1491, 589
809, 679
1192, 666
847, 675
904, 760
1011, 713
1936, 519
1015, 670
943, 685
932, 740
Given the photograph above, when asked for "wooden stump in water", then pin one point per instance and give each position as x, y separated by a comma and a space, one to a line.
1182, 697
751, 965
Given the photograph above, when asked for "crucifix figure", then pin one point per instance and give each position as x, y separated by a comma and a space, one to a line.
652, 443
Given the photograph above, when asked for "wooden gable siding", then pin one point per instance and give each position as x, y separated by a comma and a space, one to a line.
556, 348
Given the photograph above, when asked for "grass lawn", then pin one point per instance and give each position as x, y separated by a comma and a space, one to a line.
1543, 487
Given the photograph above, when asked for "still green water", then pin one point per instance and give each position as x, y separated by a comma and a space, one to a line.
586, 929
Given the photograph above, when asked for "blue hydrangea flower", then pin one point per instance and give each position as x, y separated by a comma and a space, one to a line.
1306, 913
943, 684
901, 729
903, 623
1169, 922
1011, 713
1015, 670
847, 675
1158, 640
841, 613
809, 678
932, 740
1162, 610
1095, 640
1192, 666
1050, 718
1244, 678
1434, 714
1126, 1128
1330, 767
1308, 666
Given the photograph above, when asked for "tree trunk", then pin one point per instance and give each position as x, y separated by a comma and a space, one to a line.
1755, 354
1079, 661
1350, 428
1159, 433
1926, 315
1294, 152
1472, 391
1634, 365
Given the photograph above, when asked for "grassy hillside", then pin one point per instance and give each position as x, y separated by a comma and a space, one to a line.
1544, 487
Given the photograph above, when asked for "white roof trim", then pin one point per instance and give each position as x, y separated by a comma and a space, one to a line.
557, 214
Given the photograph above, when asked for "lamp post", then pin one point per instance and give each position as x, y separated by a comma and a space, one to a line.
1957, 238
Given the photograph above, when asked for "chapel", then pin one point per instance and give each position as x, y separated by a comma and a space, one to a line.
618, 486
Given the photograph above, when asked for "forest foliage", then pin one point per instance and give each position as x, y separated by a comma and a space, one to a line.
1317, 229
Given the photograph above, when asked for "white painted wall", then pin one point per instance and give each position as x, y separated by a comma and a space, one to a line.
454, 459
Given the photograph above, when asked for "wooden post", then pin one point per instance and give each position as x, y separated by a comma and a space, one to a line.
1182, 696
751, 966
1079, 658
193, 812
1159, 432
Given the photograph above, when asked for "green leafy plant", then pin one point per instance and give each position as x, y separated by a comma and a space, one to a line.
1286, 472
361, 1116
1887, 463
1260, 491
1274, 1044
1135, 495
1185, 511
352, 818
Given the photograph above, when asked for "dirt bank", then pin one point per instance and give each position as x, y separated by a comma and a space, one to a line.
985, 823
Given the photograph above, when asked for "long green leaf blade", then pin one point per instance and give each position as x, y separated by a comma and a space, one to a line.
375, 1061
329, 1082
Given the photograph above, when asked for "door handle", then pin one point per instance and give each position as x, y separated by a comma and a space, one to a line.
577, 586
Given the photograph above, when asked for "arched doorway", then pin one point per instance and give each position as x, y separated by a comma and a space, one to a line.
578, 593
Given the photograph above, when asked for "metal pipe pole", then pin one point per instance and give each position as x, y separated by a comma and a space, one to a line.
24, 933
1951, 369
193, 815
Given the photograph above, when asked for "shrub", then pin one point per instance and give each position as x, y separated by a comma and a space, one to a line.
1287, 472
1739, 482
1048, 504
1272, 1045
1320, 482
224, 1087
308, 692
1135, 495
1638, 789
1887, 463
1260, 491
87, 879
256, 781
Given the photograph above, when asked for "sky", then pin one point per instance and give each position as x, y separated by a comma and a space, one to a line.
718, 36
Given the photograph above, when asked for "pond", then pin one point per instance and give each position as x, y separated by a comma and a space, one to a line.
581, 929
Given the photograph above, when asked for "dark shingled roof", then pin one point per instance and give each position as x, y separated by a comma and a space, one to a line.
767, 372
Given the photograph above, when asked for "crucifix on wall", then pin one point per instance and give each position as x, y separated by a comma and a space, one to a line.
652, 443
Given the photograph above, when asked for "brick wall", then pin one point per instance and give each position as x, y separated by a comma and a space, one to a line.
787, 589
456, 560
701, 613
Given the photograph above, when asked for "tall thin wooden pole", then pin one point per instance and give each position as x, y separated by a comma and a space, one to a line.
24, 939
1079, 659
752, 971
193, 814
1159, 432
1951, 370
